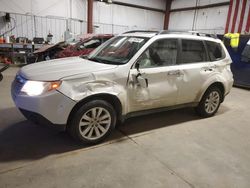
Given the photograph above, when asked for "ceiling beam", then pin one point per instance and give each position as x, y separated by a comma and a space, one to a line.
135, 6
201, 7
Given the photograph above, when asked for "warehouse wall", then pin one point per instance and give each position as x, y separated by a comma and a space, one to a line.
57, 8
38, 18
115, 18
210, 20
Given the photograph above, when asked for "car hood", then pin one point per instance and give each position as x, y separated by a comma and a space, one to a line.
61, 68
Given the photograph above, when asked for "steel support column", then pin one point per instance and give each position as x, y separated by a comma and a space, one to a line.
90, 17
167, 14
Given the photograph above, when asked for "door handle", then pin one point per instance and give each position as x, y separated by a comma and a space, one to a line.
210, 69
174, 73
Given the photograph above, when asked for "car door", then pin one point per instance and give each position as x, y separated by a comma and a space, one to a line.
152, 81
195, 69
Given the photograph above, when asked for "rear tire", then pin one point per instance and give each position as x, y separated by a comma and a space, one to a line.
210, 102
92, 122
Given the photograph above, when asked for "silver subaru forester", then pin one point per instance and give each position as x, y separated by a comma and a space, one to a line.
135, 73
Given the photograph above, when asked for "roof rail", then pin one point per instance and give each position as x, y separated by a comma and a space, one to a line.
141, 31
188, 32
173, 31
203, 34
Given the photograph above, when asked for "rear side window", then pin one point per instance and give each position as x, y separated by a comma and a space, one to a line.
215, 51
193, 51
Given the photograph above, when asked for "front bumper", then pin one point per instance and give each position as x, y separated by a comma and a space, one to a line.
39, 119
53, 105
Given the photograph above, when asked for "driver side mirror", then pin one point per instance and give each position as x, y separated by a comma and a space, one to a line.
138, 78
143, 82
137, 66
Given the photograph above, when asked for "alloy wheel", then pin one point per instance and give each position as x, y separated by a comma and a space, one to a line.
212, 102
95, 123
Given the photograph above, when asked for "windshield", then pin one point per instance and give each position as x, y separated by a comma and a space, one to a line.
118, 50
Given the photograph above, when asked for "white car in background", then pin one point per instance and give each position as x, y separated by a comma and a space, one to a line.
135, 73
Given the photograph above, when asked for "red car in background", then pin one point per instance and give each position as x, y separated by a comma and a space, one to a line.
86, 45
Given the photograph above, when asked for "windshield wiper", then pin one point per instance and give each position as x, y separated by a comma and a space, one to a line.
105, 61
84, 56
95, 59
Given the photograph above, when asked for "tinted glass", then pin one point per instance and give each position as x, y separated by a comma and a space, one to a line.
193, 51
245, 56
161, 53
118, 50
215, 51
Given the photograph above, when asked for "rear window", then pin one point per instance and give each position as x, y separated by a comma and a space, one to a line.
215, 51
193, 51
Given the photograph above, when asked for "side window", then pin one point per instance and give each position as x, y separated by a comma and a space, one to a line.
215, 51
193, 51
245, 55
161, 53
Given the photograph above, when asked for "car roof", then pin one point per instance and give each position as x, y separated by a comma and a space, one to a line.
173, 34
140, 34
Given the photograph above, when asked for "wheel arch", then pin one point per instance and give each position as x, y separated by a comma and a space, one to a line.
112, 99
217, 84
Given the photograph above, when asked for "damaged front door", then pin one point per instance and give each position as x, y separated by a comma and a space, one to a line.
150, 85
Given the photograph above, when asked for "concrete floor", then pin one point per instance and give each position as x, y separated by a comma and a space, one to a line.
170, 149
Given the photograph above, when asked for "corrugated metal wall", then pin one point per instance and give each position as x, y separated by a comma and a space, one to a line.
31, 26
38, 18
117, 19
211, 20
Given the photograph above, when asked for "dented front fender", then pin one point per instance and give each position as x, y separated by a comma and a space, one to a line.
79, 87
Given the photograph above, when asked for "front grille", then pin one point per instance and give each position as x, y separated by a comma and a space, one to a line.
17, 85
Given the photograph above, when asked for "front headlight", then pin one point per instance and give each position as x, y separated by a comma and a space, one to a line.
34, 88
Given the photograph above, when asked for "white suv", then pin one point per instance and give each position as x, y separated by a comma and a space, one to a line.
135, 73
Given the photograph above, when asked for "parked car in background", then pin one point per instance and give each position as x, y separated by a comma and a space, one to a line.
86, 44
241, 62
135, 73
3, 68
46, 52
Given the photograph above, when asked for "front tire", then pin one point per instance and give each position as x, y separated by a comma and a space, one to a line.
92, 122
210, 102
